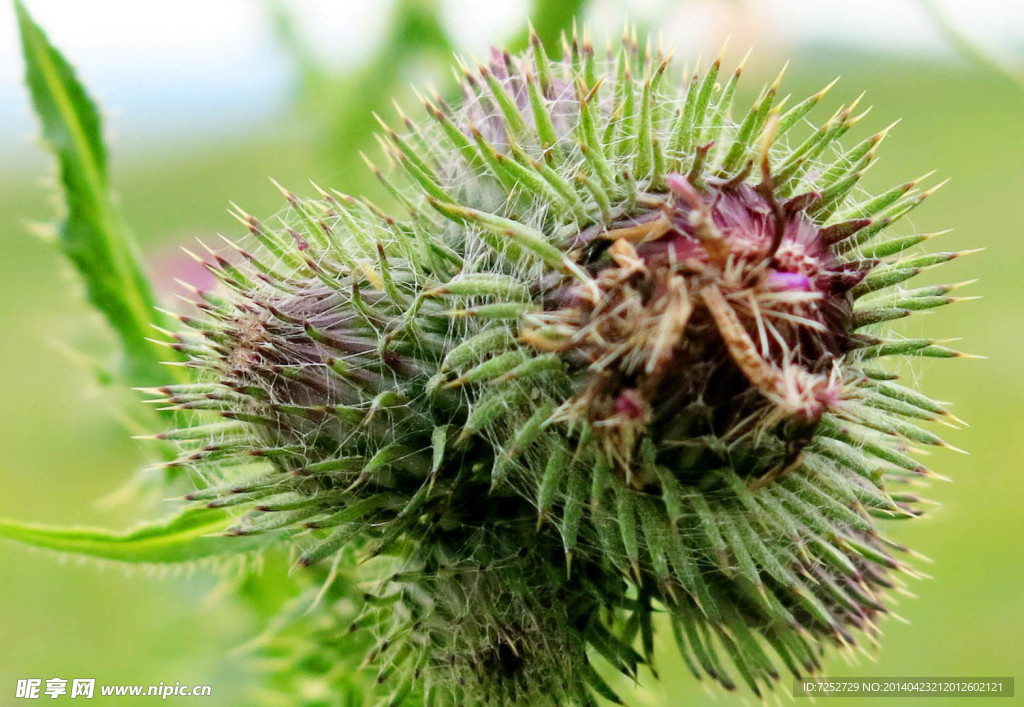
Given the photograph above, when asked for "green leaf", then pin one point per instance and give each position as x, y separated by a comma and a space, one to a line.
193, 534
93, 235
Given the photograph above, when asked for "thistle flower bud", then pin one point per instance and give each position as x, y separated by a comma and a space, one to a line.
615, 356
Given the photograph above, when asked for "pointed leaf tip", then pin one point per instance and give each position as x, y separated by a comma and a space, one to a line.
193, 534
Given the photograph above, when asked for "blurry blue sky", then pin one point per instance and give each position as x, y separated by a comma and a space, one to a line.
178, 69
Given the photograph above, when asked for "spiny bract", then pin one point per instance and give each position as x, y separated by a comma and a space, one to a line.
614, 358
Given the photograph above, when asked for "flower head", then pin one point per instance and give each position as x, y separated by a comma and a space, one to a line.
615, 355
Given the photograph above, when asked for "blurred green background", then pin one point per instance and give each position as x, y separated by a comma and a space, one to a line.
64, 445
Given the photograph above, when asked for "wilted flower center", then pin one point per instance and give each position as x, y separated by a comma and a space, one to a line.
718, 318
